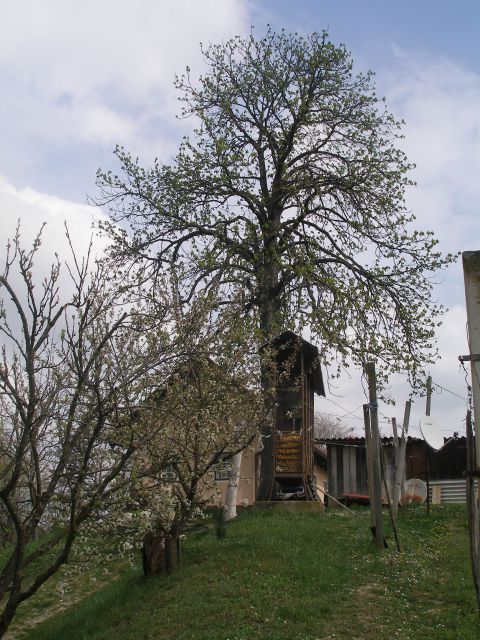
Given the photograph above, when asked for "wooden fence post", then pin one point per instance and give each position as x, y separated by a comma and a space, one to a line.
368, 445
427, 446
375, 443
396, 452
400, 467
395, 433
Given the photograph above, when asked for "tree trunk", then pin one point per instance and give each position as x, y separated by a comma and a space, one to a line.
153, 554
265, 487
160, 553
232, 490
7, 616
172, 553
268, 317
11, 584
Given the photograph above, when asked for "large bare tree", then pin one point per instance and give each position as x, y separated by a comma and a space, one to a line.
292, 190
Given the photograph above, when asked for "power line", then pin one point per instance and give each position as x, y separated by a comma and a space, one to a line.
347, 412
448, 391
351, 415
336, 415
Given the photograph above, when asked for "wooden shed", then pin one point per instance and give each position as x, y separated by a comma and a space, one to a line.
298, 378
347, 464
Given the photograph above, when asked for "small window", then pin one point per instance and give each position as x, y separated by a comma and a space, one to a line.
222, 471
168, 474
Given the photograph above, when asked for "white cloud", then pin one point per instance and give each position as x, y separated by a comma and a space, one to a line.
32, 209
440, 102
100, 72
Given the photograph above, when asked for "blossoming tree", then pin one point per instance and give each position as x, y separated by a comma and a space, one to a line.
73, 375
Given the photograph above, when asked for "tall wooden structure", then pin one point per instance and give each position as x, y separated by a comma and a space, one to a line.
298, 378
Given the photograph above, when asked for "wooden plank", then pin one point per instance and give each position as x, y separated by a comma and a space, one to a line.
332, 483
353, 469
346, 468
340, 470
361, 464
437, 494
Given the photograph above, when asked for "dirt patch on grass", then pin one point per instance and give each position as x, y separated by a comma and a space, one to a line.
42, 611
357, 615
366, 602
17, 633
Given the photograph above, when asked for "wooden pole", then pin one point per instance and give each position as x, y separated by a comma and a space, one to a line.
396, 452
429, 396
344, 506
368, 444
400, 466
396, 458
427, 446
427, 474
395, 433
387, 493
471, 273
472, 508
375, 438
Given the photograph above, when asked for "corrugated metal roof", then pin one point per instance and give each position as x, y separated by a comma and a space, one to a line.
360, 440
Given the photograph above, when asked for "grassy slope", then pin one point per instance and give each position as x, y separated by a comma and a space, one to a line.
279, 576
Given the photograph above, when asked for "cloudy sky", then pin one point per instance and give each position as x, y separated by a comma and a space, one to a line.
77, 78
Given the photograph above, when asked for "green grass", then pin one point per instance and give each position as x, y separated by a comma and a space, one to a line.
279, 576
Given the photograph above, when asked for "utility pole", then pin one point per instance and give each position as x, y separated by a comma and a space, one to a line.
427, 446
375, 448
472, 509
429, 396
471, 274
